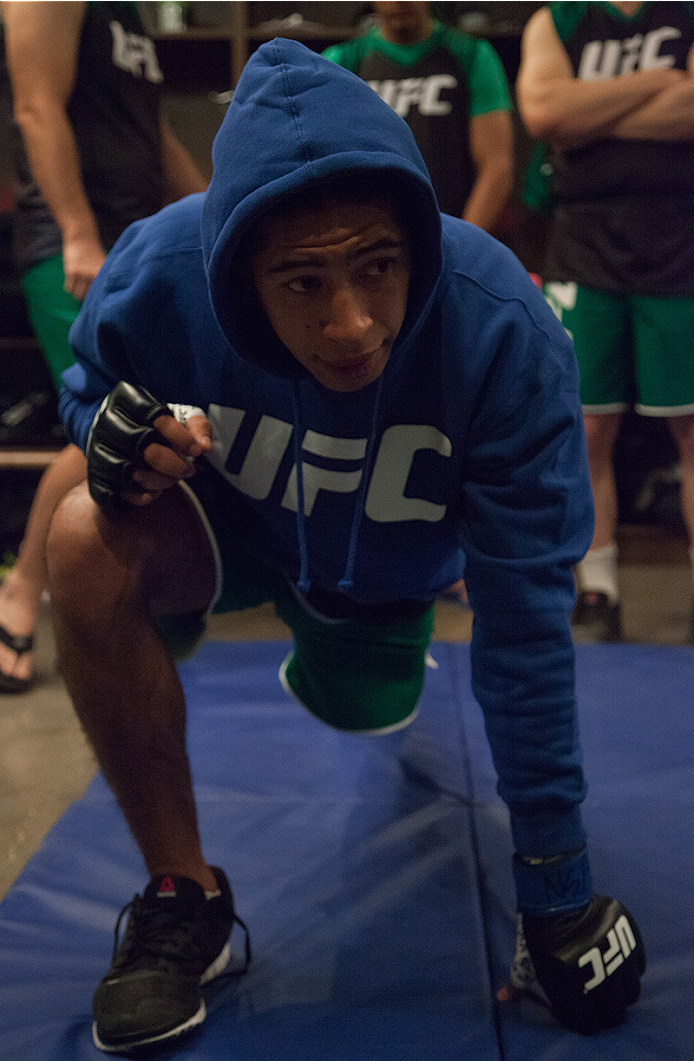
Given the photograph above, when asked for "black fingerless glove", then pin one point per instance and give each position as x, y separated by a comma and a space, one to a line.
588, 962
121, 432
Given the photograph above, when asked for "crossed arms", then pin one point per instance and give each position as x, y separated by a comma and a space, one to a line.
655, 104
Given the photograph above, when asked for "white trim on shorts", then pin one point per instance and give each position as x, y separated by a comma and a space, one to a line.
382, 732
214, 546
664, 410
601, 410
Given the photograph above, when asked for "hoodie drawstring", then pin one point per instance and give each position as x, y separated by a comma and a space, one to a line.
304, 584
346, 582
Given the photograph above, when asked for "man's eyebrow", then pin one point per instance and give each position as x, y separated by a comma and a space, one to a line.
309, 262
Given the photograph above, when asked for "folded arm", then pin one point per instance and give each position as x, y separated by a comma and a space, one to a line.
558, 107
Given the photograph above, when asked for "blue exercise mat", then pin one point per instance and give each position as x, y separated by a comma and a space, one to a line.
374, 874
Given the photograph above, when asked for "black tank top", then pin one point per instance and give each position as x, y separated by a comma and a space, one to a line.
432, 97
625, 212
114, 112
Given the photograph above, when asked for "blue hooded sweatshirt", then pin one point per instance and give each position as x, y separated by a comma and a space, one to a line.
465, 458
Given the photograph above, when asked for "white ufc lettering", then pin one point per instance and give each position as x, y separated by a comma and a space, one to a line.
315, 478
601, 59
135, 54
386, 501
422, 92
264, 454
621, 943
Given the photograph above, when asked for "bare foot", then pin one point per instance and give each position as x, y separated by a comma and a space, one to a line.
18, 615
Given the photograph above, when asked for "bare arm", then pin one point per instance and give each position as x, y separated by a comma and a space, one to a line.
42, 42
181, 174
558, 107
491, 146
668, 116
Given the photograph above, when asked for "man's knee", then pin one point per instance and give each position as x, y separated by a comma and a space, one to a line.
132, 556
72, 535
78, 558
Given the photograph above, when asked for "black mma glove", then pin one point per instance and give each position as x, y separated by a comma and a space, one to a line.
121, 432
588, 962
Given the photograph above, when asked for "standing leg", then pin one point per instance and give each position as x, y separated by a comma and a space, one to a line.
106, 578
597, 608
52, 311
20, 593
682, 428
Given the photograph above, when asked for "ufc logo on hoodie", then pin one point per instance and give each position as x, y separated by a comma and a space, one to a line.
386, 499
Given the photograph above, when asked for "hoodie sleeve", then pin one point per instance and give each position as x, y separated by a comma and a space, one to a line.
136, 322
91, 378
527, 519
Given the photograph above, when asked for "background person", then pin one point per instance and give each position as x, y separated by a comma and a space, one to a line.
94, 152
610, 88
451, 90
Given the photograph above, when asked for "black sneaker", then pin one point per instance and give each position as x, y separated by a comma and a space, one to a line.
596, 618
176, 940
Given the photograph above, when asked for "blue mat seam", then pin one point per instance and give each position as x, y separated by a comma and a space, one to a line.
460, 691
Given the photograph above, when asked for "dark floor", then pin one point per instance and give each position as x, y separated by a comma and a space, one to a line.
45, 763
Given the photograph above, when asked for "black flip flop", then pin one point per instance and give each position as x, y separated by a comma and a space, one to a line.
19, 643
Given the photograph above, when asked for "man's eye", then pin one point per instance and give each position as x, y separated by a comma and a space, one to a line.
304, 283
380, 266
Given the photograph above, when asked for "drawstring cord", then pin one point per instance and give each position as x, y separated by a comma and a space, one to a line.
304, 584
346, 582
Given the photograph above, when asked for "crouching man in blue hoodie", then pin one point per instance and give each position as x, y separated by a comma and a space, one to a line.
307, 386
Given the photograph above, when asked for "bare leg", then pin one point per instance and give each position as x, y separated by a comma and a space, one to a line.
105, 578
682, 428
20, 593
601, 432
597, 613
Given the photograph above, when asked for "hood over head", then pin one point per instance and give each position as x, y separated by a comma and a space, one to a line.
297, 119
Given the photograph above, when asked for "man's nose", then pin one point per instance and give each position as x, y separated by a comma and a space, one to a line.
348, 319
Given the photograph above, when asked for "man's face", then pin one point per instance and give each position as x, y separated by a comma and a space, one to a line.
333, 282
404, 23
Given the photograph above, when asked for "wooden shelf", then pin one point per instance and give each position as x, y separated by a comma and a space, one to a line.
242, 36
27, 459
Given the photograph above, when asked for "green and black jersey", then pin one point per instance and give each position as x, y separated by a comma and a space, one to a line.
624, 212
436, 85
114, 110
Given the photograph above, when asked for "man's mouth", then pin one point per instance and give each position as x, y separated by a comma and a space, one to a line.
355, 364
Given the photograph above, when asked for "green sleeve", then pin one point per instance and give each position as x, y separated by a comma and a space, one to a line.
487, 82
484, 72
348, 54
566, 16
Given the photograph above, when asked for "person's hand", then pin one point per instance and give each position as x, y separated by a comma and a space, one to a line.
82, 259
588, 964
166, 463
136, 448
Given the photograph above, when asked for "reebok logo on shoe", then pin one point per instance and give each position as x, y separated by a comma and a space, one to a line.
167, 889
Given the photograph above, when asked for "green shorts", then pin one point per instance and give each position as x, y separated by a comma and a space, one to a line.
51, 312
631, 349
357, 675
